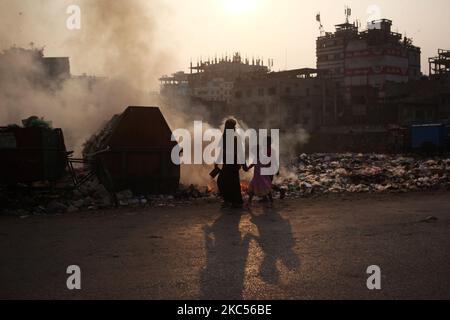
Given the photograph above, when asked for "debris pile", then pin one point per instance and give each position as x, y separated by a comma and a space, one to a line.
33, 121
98, 142
313, 174
90, 196
362, 173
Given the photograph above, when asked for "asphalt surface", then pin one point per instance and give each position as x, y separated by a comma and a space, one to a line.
300, 249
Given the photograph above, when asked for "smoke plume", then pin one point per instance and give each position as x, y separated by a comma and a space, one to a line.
117, 40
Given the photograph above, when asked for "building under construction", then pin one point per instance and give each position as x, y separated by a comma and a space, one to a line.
439, 66
212, 80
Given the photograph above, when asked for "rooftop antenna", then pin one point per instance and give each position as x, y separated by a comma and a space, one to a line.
348, 13
319, 20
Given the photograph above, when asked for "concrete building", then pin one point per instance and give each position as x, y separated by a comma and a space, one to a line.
57, 67
285, 100
422, 101
214, 89
426, 100
378, 56
33, 64
331, 49
176, 85
371, 57
439, 66
361, 63
213, 80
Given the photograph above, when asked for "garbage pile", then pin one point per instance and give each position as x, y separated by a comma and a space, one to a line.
98, 141
308, 175
362, 173
32, 122
91, 196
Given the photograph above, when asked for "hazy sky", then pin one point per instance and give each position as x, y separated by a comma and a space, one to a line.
269, 28
265, 28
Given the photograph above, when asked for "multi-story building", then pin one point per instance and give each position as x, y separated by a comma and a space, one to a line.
285, 99
439, 66
215, 89
378, 56
176, 85
33, 64
211, 80
422, 101
371, 57
331, 49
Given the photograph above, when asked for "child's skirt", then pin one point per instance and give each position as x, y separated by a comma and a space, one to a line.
260, 185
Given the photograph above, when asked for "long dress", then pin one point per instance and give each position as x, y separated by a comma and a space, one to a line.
229, 182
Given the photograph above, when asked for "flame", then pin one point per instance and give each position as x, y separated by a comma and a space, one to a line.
212, 186
244, 186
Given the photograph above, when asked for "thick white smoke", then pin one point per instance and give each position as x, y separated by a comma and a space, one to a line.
118, 40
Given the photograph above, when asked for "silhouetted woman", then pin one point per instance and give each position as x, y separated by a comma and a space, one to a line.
229, 182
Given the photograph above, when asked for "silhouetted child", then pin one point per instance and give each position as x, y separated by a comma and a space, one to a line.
261, 185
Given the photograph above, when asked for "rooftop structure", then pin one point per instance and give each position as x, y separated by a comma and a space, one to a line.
52, 68
440, 65
213, 80
368, 58
229, 66
175, 85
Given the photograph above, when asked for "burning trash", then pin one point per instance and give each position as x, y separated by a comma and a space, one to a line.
309, 174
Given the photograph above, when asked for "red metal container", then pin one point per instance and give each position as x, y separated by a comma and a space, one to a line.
138, 155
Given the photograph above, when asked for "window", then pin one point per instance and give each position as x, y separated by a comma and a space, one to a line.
272, 91
322, 58
238, 94
288, 90
261, 92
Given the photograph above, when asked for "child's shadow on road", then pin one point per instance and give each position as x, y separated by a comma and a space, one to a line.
276, 241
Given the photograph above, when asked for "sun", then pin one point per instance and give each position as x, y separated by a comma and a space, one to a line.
239, 6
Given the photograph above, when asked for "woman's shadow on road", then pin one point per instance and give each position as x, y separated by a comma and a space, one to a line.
227, 252
226, 257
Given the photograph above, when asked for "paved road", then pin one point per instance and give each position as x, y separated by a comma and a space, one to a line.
301, 249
